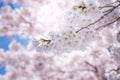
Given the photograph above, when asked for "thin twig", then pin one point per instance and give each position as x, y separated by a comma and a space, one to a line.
108, 24
113, 2
94, 67
96, 72
106, 6
116, 70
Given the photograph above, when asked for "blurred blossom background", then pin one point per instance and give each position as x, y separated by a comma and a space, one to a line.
59, 39
5, 40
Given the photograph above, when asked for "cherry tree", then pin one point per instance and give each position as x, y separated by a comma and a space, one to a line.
69, 40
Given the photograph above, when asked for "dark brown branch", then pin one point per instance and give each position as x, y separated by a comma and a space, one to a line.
96, 72
106, 13
115, 70
106, 6
118, 36
94, 67
31, 25
110, 4
108, 24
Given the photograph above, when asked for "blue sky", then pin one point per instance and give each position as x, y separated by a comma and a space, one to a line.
4, 40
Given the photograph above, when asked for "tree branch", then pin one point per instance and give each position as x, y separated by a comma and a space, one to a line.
108, 23
106, 13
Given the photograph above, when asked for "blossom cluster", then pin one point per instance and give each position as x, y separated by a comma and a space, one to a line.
82, 24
